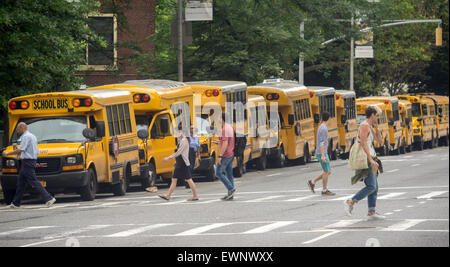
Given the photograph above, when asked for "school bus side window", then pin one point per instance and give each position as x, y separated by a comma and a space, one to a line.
127, 117
424, 110
110, 120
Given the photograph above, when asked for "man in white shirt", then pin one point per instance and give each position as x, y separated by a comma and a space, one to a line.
28, 153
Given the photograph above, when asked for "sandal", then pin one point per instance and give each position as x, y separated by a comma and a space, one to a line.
193, 199
164, 197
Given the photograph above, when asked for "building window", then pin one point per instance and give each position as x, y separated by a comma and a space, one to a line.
98, 57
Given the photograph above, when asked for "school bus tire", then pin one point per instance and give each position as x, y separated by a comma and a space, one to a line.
280, 159
445, 140
120, 189
211, 172
419, 144
261, 163
149, 179
307, 155
89, 191
403, 146
239, 170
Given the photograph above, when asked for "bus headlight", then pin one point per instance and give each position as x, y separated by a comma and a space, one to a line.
71, 160
10, 163
74, 159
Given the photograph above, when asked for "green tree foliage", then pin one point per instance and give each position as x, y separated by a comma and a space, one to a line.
42, 43
251, 40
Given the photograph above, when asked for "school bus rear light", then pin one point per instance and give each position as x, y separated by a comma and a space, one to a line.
210, 93
72, 167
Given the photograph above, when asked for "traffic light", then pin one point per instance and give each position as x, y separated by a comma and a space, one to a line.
439, 36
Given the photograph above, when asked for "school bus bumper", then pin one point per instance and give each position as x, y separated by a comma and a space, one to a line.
54, 182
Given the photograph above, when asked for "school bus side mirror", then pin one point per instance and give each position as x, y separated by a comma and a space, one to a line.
164, 125
291, 119
343, 118
142, 134
100, 126
316, 118
89, 134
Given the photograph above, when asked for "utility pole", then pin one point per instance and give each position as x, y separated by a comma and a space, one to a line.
301, 63
180, 40
352, 59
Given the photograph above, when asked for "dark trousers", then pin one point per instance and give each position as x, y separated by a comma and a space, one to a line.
27, 176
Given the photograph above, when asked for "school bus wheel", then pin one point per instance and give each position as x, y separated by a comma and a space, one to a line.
88, 192
120, 189
148, 179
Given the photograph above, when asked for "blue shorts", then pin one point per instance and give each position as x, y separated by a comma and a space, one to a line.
326, 167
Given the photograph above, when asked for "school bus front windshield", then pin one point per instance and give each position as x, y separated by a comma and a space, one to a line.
66, 129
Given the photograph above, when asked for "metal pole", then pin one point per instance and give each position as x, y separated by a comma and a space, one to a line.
301, 63
352, 59
180, 40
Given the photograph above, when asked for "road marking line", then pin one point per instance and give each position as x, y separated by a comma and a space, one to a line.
432, 194
269, 227
392, 195
342, 198
139, 230
388, 213
78, 231
403, 225
275, 174
395, 170
262, 199
398, 210
415, 165
41, 243
343, 223
301, 198
202, 229
23, 230
321, 237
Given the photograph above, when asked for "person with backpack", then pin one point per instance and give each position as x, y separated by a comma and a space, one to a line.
224, 169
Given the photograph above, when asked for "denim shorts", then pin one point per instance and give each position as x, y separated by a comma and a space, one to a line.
326, 167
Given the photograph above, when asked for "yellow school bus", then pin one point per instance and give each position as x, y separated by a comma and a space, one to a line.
346, 117
423, 120
289, 109
258, 132
323, 99
159, 105
361, 106
405, 108
394, 120
87, 141
211, 98
441, 104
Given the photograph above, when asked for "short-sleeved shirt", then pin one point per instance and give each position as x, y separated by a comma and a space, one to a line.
227, 135
28, 146
322, 139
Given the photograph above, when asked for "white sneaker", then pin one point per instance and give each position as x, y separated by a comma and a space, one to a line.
13, 207
348, 208
375, 217
50, 202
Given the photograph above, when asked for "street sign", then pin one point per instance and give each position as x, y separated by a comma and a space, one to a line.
364, 52
199, 10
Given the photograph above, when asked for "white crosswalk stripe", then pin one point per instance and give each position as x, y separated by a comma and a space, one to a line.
432, 194
139, 230
391, 195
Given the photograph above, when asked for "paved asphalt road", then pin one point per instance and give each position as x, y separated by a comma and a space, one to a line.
271, 208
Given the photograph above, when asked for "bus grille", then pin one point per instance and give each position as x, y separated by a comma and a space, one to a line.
48, 165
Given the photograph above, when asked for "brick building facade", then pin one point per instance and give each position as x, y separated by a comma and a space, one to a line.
130, 26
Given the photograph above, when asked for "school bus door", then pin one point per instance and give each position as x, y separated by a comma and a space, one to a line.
162, 142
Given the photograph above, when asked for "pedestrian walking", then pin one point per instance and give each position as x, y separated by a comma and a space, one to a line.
28, 153
366, 136
194, 145
225, 165
182, 166
322, 156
